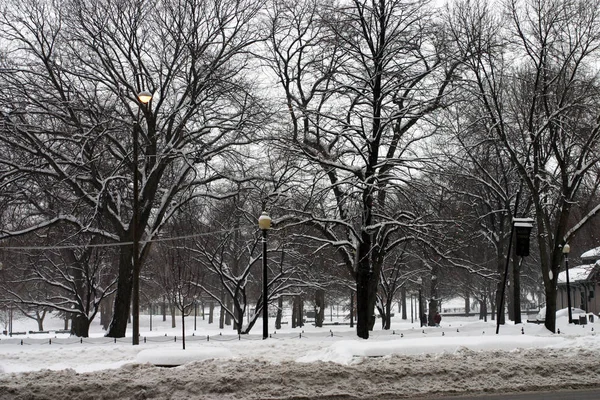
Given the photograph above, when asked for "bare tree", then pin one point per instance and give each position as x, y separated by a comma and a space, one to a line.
71, 280
230, 255
179, 278
358, 80
70, 103
533, 80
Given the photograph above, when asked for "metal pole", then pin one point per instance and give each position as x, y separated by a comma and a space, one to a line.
10, 320
351, 309
411, 309
420, 307
500, 314
136, 243
568, 288
501, 305
265, 287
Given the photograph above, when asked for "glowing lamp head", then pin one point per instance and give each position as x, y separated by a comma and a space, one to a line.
264, 221
144, 97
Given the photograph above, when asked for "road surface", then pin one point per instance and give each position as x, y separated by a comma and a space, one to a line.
586, 394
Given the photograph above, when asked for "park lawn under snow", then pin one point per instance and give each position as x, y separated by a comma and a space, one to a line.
463, 355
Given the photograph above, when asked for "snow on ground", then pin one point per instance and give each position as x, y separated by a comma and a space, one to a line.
464, 355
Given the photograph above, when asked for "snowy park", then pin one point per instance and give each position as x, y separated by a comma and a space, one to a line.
463, 355
401, 161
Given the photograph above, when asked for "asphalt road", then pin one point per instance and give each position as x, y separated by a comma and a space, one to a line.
587, 394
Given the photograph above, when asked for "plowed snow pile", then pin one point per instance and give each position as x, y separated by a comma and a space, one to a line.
461, 356
393, 376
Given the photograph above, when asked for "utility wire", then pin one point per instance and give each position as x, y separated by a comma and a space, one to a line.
163, 239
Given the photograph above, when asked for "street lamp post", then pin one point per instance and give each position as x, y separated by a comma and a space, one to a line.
264, 223
566, 251
411, 309
144, 98
420, 282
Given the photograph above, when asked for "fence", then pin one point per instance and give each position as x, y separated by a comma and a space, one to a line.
198, 338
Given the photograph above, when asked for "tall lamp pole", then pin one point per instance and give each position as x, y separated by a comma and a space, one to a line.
421, 312
566, 251
144, 98
411, 309
264, 223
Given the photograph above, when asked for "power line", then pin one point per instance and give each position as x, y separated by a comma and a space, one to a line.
118, 244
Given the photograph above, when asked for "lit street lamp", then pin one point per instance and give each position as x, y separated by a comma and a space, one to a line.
566, 251
144, 98
264, 223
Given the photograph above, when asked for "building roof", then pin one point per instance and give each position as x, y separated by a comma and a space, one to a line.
591, 255
579, 273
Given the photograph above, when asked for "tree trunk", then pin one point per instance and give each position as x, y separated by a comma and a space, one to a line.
364, 305
433, 309
363, 315
433, 298
211, 310
300, 311
403, 297
491, 299
173, 316
374, 285
150, 312
238, 323
40, 324
227, 315
294, 311
483, 309
467, 303
319, 307
222, 311
387, 315
550, 322
500, 269
105, 307
80, 326
279, 313
163, 309
122, 304
222, 318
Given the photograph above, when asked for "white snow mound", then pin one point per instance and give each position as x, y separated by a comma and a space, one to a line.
343, 352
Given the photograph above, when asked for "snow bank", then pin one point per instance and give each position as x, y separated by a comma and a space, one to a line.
395, 376
169, 357
345, 352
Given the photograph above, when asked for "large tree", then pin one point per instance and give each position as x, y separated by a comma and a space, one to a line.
535, 79
69, 104
359, 80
